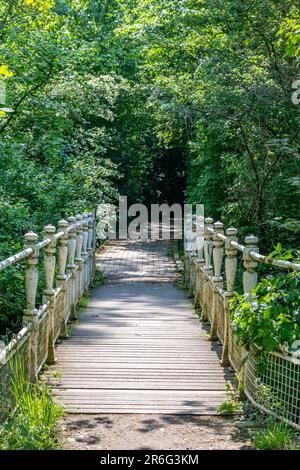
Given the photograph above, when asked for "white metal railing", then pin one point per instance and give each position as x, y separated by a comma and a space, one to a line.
69, 262
210, 269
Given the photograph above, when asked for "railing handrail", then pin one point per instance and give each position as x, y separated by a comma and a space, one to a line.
68, 267
15, 258
4, 354
11, 260
211, 266
257, 256
260, 258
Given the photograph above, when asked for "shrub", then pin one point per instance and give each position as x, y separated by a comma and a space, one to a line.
272, 319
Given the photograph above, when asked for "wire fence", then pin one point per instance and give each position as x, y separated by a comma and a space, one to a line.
64, 286
271, 380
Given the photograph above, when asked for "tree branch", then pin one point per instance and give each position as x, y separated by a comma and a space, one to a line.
24, 97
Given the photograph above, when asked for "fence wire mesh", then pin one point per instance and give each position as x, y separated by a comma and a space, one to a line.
16, 364
272, 383
275, 387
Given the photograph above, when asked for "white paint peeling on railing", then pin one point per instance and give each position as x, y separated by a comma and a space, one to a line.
43, 244
14, 344
58, 235
43, 309
257, 256
40, 245
15, 258
275, 262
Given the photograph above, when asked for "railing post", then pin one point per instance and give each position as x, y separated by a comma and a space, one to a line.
207, 268
85, 236
217, 279
250, 275
62, 277
78, 259
71, 266
90, 247
85, 226
49, 292
193, 260
200, 240
94, 246
188, 220
90, 231
208, 245
30, 314
230, 270
199, 262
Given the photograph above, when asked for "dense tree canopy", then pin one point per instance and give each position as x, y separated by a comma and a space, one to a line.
134, 97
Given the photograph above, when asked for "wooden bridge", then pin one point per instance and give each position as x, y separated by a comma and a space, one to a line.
139, 347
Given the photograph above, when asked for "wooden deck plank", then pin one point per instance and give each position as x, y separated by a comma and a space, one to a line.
139, 348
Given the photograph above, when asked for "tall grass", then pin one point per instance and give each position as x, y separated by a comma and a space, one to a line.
276, 436
32, 425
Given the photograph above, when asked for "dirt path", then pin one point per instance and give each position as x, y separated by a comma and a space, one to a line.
154, 432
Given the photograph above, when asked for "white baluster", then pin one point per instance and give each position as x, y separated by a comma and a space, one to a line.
49, 292
30, 313
71, 266
250, 275
230, 270
217, 279
207, 268
62, 277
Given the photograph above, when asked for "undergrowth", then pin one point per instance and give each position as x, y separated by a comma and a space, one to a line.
276, 435
32, 426
99, 278
265, 432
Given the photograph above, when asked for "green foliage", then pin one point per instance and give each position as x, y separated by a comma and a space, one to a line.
229, 407
83, 302
232, 404
98, 279
272, 318
33, 424
135, 97
221, 75
275, 436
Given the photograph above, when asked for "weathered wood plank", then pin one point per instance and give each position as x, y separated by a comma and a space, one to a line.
139, 349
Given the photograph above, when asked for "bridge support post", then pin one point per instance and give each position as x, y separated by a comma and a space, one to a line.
90, 249
199, 272
71, 266
49, 292
85, 235
78, 258
230, 270
250, 275
30, 315
217, 279
62, 277
207, 268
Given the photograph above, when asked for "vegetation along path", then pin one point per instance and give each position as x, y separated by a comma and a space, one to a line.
138, 350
